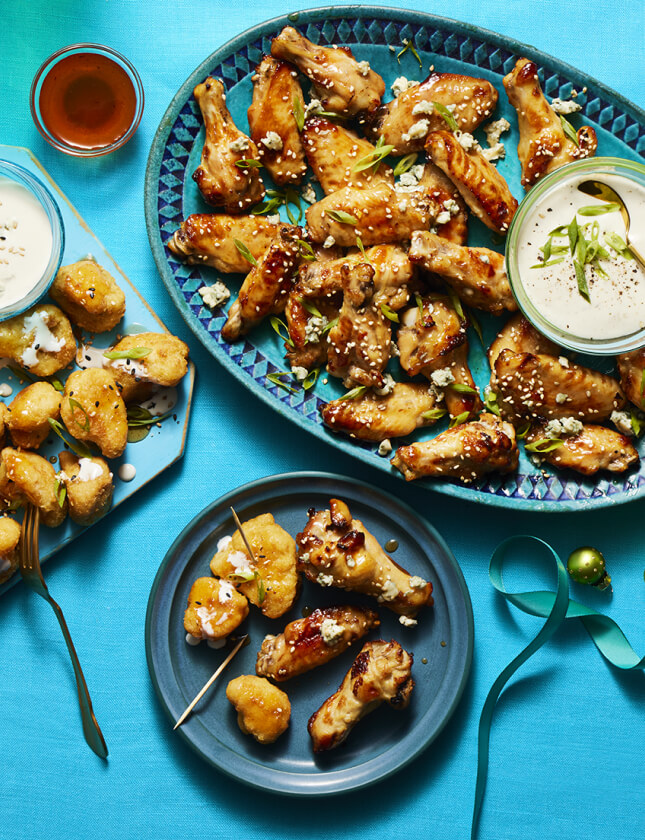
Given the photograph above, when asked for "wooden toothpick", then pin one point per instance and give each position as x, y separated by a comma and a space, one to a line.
210, 682
243, 535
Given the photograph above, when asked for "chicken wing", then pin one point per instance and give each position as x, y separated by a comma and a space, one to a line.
308, 324
209, 239
543, 146
312, 641
377, 215
595, 448
405, 121
432, 340
631, 367
519, 336
359, 343
410, 406
341, 83
537, 385
220, 181
272, 122
336, 550
265, 288
466, 452
476, 274
333, 152
382, 672
441, 189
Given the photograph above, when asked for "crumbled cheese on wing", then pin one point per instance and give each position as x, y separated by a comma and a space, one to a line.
329, 242
443, 217
561, 398
565, 106
423, 107
239, 145
314, 328
417, 582
466, 140
494, 130
364, 68
215, 295
563, 426
301, 373
313, 107
325, 580
622, 421
406, 621
331, 631
388, 386
384, 448
309, 194
389, 591
401, 84
417, 130
442, 377
272, 141
563, 361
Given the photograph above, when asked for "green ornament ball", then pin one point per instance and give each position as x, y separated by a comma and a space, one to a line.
587, 565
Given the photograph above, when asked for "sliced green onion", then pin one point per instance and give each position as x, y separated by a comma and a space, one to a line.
456, 303
544, 445
361, 248
390, 314
461, 388
404, 164
132, 353
248, 256
447, 116
598, 209
248, 163
434, 414
275, 379
79, 449
373, 159
279, 325
409, 45
311, 309
342, 217
265, 207
637, 425
61, 492
459, 419
523, 431
476, 326
298, 112
310, 379
569, 130
306, 251
490, 401
73, 404
356, 392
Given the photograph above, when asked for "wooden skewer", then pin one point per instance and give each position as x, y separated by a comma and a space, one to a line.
210, 682
243, 535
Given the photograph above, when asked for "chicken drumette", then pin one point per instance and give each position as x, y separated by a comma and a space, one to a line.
338, 550
272, 122
382, 672
341, 83
543, 146
466, 452
631, 367
221, 182
592, 449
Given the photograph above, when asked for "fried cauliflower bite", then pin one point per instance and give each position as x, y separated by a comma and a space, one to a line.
164, 364
4, 414
215, 609
92, 409
28, 478
9, 542
89, 295
336, 550
89, 486
40, 340
28, 415
271, 581
631, 367
263, 710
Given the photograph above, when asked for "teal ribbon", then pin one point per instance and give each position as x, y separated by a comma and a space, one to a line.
556, 607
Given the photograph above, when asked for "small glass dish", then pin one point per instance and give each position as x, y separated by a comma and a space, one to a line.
86, 100
23, 178
547, 197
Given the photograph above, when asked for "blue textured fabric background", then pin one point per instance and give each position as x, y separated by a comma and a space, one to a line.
567, 742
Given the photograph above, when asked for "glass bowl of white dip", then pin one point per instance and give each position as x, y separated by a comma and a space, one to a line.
32, 239
591, 299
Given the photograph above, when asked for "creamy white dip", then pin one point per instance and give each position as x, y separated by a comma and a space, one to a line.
616, 305
25, 241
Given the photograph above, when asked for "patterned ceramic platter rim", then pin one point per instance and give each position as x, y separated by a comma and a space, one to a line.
615, 118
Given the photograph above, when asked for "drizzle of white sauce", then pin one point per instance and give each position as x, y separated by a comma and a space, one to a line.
193, 641
127, 472
161, 402
44, 339
5, 390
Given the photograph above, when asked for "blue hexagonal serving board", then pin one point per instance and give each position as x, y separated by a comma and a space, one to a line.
376, 34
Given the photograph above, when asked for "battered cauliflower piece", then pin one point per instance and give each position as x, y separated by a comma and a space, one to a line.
4, 414
215, 609
28, 415
263, 710
272, 584
89, 295
92, 409
26, 477
9, 542
40, 340
89, 486
164, 364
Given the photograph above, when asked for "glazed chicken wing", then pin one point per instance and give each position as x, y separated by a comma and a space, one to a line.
312, 641
220, 181
359, 344
441, 190
595, 448
336, 550
476, 274
272, 122
209, 239
397, 122
537, 385
434, 341
543, 146
333, 151
341, 83
377, 215
466, 452
481, 186
409, 406
519, 336
631, 367
265, 288
382, 672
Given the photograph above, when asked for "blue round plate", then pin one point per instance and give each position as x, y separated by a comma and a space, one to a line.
376, 34
384, 741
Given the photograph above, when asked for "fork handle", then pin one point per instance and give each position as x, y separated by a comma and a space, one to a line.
91, 728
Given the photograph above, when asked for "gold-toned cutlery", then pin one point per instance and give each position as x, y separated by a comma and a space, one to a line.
598, 189
33, 577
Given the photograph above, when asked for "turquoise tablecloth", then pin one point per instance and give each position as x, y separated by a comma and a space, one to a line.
569, 735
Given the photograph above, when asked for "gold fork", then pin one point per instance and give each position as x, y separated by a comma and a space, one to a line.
33, 577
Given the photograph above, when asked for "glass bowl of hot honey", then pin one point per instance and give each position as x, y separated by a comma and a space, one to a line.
87, 100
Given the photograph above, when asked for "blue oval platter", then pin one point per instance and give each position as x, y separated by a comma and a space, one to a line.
385, 740
378, 35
